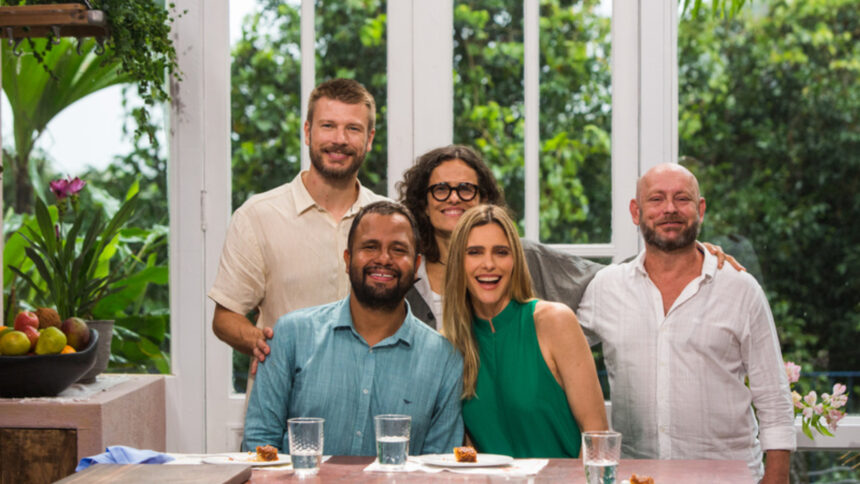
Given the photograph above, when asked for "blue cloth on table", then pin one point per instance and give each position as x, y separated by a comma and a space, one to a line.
120, 454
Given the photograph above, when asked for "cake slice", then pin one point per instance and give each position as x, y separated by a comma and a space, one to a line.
465, 454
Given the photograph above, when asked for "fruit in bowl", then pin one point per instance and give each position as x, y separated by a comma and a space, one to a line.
43, 375
77, 332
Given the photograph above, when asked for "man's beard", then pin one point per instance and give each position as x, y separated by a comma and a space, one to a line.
686, 238
337, 174
372, 297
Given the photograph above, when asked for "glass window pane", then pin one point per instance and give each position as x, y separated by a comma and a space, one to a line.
768, 121
575, 122
351, 43
488, 88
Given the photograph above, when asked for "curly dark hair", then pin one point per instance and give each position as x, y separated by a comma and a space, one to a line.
413, 189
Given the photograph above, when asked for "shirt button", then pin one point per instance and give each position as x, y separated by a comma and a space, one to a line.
365, 391
358, 433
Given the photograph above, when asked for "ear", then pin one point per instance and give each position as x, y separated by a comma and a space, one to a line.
307, 133
370, 140
702, 205
346, 259
634, 211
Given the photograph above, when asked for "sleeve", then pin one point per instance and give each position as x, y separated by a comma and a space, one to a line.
240, 283
767, 379
446, 426
558, 276
268, 406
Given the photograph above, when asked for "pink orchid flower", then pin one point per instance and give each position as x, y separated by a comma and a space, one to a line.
833, 418
63, 188
796, 398
792, 371
60, 188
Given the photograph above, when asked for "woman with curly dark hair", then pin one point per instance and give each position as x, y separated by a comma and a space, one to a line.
438, 189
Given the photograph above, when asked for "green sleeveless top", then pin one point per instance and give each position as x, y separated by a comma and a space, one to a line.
519, 409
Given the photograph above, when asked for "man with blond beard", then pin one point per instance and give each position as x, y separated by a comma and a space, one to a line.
283, 249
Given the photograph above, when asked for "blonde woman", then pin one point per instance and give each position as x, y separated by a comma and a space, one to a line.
529, 381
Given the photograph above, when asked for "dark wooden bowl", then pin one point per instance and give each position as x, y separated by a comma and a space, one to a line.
45, 375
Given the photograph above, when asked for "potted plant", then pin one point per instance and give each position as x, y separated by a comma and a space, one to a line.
72, 258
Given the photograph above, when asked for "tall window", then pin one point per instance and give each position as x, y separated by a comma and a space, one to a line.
267, 135
573, 154
768, 121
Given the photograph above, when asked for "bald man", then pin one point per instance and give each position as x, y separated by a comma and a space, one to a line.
680, 339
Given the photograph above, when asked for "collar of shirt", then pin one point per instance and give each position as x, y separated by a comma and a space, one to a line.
304, 201
405, 333
709, 266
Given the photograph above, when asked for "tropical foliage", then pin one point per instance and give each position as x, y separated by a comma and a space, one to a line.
769, 120
36, 95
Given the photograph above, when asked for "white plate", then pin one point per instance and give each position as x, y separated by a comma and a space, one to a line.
448, 460
246, 458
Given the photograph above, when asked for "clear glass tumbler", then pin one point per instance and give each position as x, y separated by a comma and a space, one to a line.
392, 440
306, 444
601, 451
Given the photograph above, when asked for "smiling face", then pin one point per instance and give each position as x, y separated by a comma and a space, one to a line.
338, 138
668, 208
444, 215
381, 261
488, 264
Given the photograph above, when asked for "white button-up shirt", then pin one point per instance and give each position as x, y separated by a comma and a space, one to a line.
678, 380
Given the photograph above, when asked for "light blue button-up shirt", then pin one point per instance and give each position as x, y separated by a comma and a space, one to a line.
319, 366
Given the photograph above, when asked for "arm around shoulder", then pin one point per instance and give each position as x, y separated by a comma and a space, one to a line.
235, 330
569, 358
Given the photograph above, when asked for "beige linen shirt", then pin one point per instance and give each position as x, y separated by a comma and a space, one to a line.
284, 252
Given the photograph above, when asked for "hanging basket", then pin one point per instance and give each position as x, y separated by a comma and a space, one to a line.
58, 20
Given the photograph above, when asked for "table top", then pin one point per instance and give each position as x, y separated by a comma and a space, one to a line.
351, 469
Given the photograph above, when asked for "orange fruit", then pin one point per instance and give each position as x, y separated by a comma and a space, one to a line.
67, 349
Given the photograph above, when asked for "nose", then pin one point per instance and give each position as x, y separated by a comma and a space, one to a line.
489, 261
382, 257
670, 206
454, 196
340, 136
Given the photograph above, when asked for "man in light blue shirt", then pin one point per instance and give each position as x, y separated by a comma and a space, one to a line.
362, 356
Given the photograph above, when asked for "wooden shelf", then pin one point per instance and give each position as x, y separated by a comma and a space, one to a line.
71, 20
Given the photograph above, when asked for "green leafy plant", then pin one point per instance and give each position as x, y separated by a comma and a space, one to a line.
73, 259
138, 42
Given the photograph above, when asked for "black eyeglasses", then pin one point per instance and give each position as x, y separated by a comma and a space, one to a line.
442, 191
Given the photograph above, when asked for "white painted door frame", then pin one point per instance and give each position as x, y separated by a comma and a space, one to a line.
199, 198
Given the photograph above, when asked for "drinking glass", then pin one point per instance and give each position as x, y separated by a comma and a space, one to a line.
306, 444
601, 451
392, 440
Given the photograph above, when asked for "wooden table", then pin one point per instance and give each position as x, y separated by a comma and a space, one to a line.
350, 469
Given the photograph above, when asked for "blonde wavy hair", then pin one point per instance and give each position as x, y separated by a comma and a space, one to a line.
457, 311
